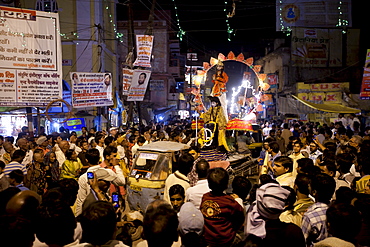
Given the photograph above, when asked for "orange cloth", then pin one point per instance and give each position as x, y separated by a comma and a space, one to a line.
219, 81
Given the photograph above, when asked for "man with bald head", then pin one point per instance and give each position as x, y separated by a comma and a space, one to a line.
24, 204
23, 144
194, 194
63, 146
9, 149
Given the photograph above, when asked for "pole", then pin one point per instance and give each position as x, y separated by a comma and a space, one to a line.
29, 121
276, 95
130, 49
38, 121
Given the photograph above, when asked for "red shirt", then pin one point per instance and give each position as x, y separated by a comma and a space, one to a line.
223, 217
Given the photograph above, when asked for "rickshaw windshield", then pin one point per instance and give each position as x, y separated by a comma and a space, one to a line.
152, 166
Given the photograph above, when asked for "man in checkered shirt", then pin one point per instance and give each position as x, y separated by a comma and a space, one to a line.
314, 220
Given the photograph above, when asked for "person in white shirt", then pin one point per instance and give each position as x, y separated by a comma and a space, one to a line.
99, 140
352, 119
140, 142
194, 194
296, 155
342, 119
60, 153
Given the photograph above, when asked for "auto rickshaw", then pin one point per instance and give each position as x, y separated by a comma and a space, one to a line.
150, 169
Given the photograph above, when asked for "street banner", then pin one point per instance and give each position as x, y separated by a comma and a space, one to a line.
91, 89
126, 79
139, 83
144, 44
30, 57
365, 86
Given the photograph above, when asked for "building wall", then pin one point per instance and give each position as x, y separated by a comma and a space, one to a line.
160, 57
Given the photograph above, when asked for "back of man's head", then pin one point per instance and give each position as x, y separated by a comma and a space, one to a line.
185, 163
274, 147
109, 150
55, 224
241, 186
18, 155
16, 230
202, 168
93, 156
17, 175
69, 188
160, 224
322, 187
24, 203
218, 180
302, 182
98, 223
344, 162
344, 221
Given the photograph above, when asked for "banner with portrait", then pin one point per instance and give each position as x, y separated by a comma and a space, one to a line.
139, 83
91, 89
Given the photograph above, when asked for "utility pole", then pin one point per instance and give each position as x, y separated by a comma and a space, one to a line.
130, 53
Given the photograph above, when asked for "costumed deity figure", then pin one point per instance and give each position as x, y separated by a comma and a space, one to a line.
219, 79
215, 120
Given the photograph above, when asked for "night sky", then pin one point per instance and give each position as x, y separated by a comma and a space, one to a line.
204, 22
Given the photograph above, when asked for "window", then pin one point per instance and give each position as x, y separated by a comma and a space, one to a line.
47, 5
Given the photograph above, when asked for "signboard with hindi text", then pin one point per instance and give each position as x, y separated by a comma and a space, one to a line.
30, 57
91, 89
144, 44
365, 86
126, 79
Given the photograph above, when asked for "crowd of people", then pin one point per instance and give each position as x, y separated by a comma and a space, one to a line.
312, 189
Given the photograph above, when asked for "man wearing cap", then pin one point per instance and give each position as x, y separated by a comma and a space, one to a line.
99, 186
42, 143
191, 223
113, 131
93, 157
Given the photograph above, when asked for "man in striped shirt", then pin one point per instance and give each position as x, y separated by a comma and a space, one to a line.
15, 163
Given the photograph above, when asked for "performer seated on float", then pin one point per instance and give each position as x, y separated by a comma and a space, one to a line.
215, 121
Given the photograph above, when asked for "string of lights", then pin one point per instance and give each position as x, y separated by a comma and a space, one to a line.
117, 34
181, 32
341, 22
230, 31
285, 29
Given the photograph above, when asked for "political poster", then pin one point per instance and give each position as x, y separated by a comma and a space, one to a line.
365, 86
30, 57
144, 44
126, 79
139, 83
91, 89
